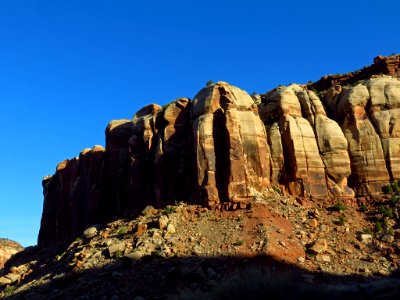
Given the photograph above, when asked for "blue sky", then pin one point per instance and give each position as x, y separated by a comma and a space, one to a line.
69, 67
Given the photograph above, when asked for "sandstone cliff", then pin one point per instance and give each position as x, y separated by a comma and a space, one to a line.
339, 137
7, 249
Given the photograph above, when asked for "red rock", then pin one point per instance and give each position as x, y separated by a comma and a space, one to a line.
222, 150
141, 228
7, 249
231, 151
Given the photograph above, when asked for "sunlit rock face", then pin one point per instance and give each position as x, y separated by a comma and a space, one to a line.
335, 138
308, 150
369, 113
230, 145
7, 249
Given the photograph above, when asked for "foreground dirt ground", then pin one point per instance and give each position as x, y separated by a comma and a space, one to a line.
188, 251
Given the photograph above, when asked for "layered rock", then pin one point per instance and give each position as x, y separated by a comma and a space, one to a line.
315, 162
7, 249
72, 196
230, 145
225, 148
369, 113
159, 154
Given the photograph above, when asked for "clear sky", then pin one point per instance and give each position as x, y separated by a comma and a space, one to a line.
69, 67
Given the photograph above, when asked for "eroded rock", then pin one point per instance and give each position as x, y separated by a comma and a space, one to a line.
308, 150
230, 143
369, 113
226, 149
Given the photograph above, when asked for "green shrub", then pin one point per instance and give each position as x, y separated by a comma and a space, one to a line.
339, 207
8, 291
342, 220
122, 230
169, 210
276, 188
396, 187
209, 83
394, 199
367, 231
118, 254
239, 219
378, 226
239, 243
386, 211
363, 208
388, 189
390, 231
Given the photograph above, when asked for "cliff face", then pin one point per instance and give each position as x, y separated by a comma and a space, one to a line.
309, 150
369, 114
327, 139
7, 249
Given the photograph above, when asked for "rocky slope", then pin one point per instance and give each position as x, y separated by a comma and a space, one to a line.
7, 249
275, 246
336, 138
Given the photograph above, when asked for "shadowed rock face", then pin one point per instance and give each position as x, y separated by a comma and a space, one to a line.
224, 148
72, 196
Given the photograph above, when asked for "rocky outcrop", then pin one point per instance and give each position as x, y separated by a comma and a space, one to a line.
230, 145
72, 196
224, 148
7, 249
369, 113
309, 151
383, 65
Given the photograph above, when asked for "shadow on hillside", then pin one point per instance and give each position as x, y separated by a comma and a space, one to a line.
195, 277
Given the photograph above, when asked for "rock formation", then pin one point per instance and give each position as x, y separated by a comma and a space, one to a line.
385, 65
369, 113
7, 249
309, 151
338, 137
230, 145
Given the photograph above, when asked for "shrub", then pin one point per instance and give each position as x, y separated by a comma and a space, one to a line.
386, 211
118, 254
394, 199
169, 210
367, 231
122, 230
8, 291
378, 226
342, 220
239, 243
210, 82
388, 189
339, 207
363, 207
276, 188
396, 187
